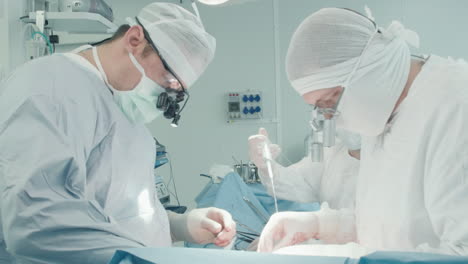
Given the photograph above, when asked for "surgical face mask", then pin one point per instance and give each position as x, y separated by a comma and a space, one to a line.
139, 104
371, 92
352, 141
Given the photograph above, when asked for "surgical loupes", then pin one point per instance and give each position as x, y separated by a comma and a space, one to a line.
323, 130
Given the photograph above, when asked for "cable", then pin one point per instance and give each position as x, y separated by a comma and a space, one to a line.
46, 39
173, 179
188, 97
52, 33
168, 183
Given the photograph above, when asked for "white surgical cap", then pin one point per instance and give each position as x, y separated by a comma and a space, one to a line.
180, 38
339, 47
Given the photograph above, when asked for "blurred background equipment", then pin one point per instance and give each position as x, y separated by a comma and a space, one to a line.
162, 192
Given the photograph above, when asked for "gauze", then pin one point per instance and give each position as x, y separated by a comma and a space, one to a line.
338, 47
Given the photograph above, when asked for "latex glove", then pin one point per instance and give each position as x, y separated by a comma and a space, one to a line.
203, 226
291, 228
256, 144
287, 229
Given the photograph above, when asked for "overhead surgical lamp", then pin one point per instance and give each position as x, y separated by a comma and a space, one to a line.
212, 2
209, 2
206, 2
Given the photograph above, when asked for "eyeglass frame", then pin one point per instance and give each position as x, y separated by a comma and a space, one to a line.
164, 62
169, 69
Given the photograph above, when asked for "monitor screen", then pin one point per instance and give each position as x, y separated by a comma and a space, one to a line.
234, 107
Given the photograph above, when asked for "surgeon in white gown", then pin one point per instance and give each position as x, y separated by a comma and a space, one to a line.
412, 189
76, 161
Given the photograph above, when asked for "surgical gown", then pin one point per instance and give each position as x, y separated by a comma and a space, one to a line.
76, 177
412, 189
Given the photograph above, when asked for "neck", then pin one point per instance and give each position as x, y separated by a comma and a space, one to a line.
415, 68
116, 65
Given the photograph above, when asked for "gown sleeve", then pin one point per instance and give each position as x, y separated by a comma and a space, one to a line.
45, 215
446, 180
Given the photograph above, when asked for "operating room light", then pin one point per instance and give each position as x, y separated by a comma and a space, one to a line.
212, 2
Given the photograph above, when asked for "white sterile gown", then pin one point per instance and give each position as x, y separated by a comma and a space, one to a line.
412, 192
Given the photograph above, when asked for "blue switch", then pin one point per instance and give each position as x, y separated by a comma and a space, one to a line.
252, 110
258, 109
257, 98
245, 98
245, 111
251, 98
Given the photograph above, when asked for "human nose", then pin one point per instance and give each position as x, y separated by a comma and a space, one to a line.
174, 84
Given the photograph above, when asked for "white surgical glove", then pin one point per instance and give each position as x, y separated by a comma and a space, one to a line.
286, 229
256, 144
203, 226
292, 228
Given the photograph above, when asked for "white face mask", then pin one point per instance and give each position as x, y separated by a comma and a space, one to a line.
370, 93
351, 140
139, 104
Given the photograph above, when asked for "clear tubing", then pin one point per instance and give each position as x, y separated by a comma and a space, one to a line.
268, 158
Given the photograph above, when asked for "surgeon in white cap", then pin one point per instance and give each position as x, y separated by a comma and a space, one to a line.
412, 187
76, 160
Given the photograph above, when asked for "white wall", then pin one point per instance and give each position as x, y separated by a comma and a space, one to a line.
4, 47
245, 59
11, 33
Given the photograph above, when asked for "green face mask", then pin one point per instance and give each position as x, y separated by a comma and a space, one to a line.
139, 104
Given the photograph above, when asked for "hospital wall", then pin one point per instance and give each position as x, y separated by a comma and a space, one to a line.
3, 44
10, 33
252, 41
